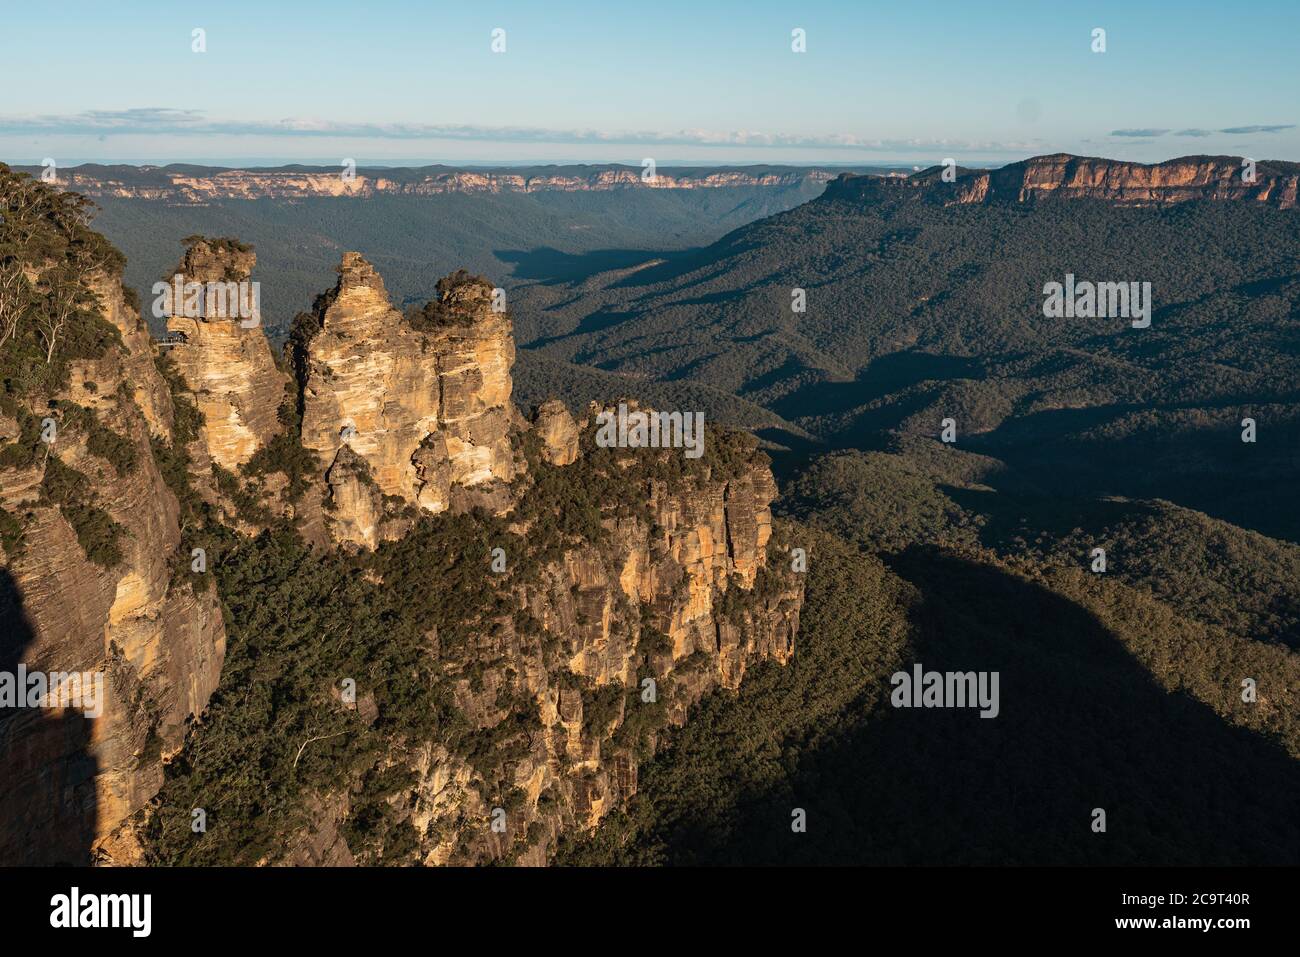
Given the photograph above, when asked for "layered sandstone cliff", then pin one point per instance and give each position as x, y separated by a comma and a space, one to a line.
91, 585
635, 580
606, 644
1063, 176
1059, 175
406, 411
183, 186
220, 351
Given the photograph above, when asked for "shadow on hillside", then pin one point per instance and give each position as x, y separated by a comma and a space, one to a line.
887, 374
47, 792
1082, 725
792, 451
679, 263
598, 320
1192, 456
1029, 515
1203, 466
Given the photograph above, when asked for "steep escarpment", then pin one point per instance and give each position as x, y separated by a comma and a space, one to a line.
1063, 176
189, 185
92, 581
472, 691
362, 611
499, 621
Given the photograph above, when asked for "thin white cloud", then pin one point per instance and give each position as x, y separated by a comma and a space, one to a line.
1259, 129
166, 121
1231, 130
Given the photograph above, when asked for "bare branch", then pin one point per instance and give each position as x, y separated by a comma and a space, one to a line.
321, 737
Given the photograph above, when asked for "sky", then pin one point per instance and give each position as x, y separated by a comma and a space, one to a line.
400, 82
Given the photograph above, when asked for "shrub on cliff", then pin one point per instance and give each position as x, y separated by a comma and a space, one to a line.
455, 305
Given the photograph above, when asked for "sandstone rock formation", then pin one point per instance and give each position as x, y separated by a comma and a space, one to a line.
1063, 176
558, 432
69, 603
425, 407
674, 602
640, 578
224, 357
414, 412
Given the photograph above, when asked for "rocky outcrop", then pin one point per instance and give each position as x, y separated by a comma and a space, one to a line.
148, 390
605, 645
650, 609
597, 640
557, 431
221, 352
1063, 176
356, 505
423, 402
93, 586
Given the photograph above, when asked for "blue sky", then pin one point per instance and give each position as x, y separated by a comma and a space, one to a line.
397, 82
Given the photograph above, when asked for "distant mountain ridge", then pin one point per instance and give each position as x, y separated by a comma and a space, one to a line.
1065, 176
1051, 176
918, 308
194, 185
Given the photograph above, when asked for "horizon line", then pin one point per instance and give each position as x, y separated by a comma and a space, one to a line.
260, 164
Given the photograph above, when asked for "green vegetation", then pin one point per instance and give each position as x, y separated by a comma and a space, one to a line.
26, 448
285, 453
406, 623
98, 535
440, 311
917, 313
118, 449
248, 504
12, 538
48, 256
298, 624
513, 237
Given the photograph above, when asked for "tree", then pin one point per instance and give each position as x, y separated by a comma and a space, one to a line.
15, 298
66, 297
